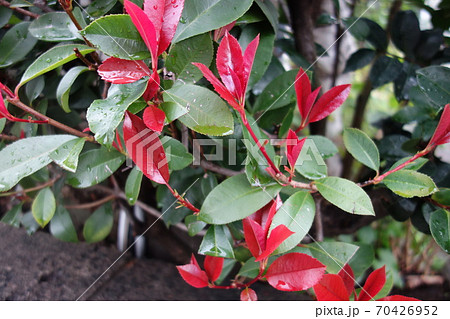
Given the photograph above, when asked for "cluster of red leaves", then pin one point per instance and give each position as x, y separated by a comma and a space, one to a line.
312, 111
340, 287
260, 241
198, 278
234, 69
293, 148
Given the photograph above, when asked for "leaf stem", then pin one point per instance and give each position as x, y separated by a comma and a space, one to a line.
15, 101
183, 201
92, 204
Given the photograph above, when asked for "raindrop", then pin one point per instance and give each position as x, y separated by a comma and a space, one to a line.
155, 7
48, 60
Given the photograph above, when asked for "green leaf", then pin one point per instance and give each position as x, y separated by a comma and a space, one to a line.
386, 288
34, 88
235, 199
333, 254
52, 59
440, 228
98, 226
346, 195
310, 163
2, 124
182, 54
250, 269
97, 8
270, 12
264, 53
133, 185
359, 59
5, 15
94, 167
207, 112
67, 154
62, 226
105, 115
122, 42
414, 166
16, 44
44, 206
362, 148
200, 16
324, 145
194, 225
177, 155
278, 93
26, 156
20, 4
173, 110
364, 29
384, 70
407, 183
63, 90
14, 216
297, 214
442, 196
54, 27
216, 242
208, 183
435, 83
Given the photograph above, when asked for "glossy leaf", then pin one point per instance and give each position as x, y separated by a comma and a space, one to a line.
105, 115
97, 8
440, 228
44, 207
154, 118
362, 148
124, 42
216, 243
270, 11
406, 31
61, 226
120, 71
324, 145
193, 275
294, 272
26, 156
365, 29
67, 154
182, 54
53, 27
310, 163
94, 167
414, 166
52, 59
133, 185
5, 15
346, 195
63, 90
277, 236
16, 44
384, 70
194, 225
333, 254
248, 294
235, 199
407, 183
98, 226
442, 196
329, 102
200, 16
145, 149
348, 277
14, 216
442, 133
278, 93
213, 267
331, 288
293, 147
297, 214
177, 155
359, 59
207, 113
34, 88
435, 83
373, 284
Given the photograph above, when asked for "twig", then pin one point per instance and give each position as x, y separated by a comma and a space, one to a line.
185, 136
50, 121
42, 4
92, 204
318, 220
32, 189
218, 169
8, 137
88, 63
20, 10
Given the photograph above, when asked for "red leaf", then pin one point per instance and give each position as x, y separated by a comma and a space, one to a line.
276, 237
328, 102
331, 288
152, 87
248, 294
193, 275
266, 218
398, 298
172, 14
230, 62
442, 133
154, 9
302, 90
119, 71
145, 149
4, 113
293, 147
373, 285
294, 272
254, 237
218, 86
213, 267
348, 277
145, 27
219, 33
154, 118
249, 57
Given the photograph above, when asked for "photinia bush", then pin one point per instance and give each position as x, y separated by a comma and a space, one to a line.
165, 84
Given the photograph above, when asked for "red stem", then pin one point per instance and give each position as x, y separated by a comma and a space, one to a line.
182, 201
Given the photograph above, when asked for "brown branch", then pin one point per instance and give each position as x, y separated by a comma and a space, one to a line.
8, 137
88, 63
318, 219
218, 169
92, 204
20, 10
32, 189
26, 108
42, 4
